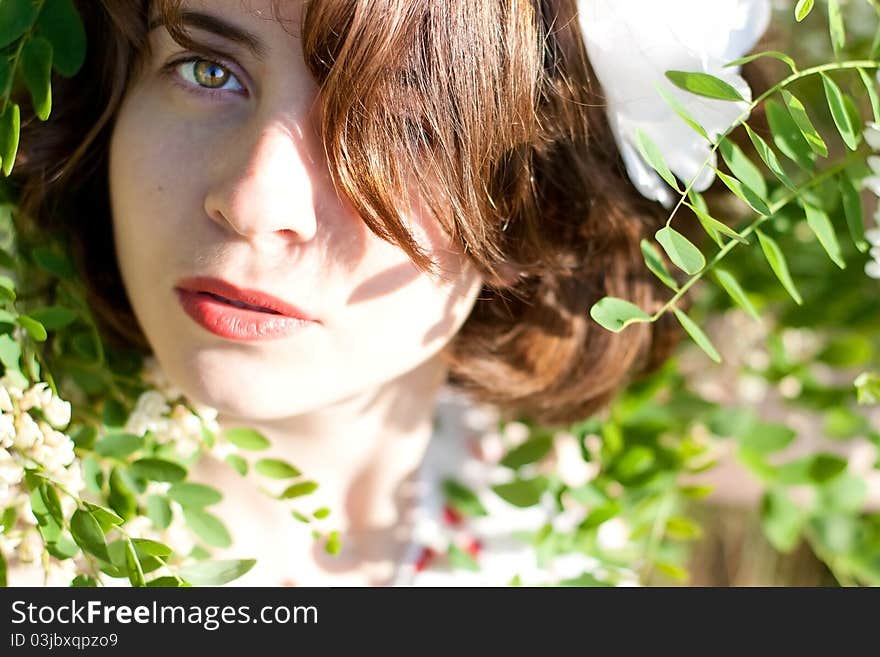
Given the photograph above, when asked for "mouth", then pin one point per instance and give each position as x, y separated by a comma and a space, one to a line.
255, 300
240, 304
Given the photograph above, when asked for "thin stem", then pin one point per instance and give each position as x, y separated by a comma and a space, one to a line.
774, 208
794, 77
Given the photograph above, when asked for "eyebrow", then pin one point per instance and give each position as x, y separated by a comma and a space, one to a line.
220, 27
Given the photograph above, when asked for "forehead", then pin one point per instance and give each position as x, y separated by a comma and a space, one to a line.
254, 13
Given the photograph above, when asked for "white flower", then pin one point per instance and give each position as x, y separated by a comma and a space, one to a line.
7, 430
57, 412
147, 413
11, 471
31, 547
872, 135
11, 388
570, 464
37, 396
872, 267
5, 401
27, 432
632, 43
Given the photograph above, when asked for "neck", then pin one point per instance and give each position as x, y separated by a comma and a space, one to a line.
363, 453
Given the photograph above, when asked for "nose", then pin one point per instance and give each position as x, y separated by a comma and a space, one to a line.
263, 188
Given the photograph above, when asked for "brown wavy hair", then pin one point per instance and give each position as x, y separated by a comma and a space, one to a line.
492, 106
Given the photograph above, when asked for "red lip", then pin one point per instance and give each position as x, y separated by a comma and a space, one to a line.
271, 318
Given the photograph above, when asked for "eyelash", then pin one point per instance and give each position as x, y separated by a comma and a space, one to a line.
170, 70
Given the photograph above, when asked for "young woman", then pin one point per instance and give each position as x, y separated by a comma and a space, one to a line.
324, 218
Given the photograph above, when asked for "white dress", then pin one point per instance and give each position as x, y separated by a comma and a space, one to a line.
466, 446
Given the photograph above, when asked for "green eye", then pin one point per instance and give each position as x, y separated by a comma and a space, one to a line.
203, 76
210, 74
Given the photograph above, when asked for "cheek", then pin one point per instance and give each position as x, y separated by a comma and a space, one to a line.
396, 306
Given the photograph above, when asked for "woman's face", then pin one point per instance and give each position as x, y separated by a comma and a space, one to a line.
217, 170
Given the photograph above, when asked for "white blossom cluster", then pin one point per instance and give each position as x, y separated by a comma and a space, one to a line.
31, 436
872, 182
161, 412
29, 442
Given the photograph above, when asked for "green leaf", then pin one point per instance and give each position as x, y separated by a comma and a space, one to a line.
846, 493
118, 445
54, 317
769, 157
216, 573
781, 520
615, 314
680, 250
121, 498
655, 264
681, 110
835, 26
778, 264
522, 492
133, 565
652, 155
237, 463
167, 581
53, 262
34, 329
872, 93
146, 546
63, 547
16, 18
463, 499
51, 501
733, 288
815, 469
698, 335
114, 413
741, 167
88, 534
528, 452
333, 544
105, 517
276, 469
245, 438
298, 490
10, 353
799, 115
300, 516
703, 84
802, 9
787, 136
820, 223
92, 474
193, 495
159, 511
158, 470
208, 527
36, 69
680, 528
321, 513
7, 287
775, 54
83, 581
746, 193
766, 437
10, 127
60, 23
839, 113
